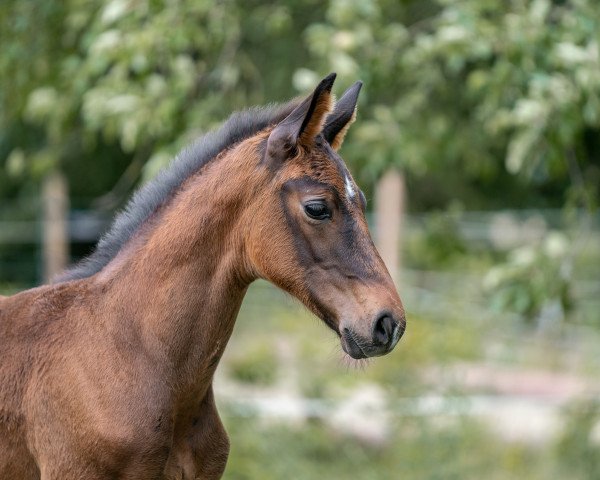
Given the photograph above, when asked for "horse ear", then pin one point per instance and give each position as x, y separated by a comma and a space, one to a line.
342, 117
306, 120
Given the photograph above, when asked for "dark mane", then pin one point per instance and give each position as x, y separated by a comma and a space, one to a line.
147, 199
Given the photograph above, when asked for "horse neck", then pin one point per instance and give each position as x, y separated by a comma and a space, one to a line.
180, 282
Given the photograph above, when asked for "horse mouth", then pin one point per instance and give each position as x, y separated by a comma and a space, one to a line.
351, 345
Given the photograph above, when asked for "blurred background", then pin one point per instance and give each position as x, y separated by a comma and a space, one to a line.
478, 147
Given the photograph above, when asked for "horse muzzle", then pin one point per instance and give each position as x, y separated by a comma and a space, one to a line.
385, 334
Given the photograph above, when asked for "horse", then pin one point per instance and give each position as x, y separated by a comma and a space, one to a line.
107, 372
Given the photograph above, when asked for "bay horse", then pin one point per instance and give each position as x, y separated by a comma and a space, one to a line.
107, 373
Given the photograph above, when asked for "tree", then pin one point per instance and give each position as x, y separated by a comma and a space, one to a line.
141, 77
505, 95
106, 93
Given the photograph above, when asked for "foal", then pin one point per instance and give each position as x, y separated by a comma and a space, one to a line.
108, 373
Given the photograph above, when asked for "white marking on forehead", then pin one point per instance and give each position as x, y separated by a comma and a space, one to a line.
349, 187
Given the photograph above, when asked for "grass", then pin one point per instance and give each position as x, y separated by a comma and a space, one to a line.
419, 450
420, 447
256, 365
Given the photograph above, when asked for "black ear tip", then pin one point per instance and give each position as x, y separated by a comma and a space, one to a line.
350, 96
327, 82
356, 87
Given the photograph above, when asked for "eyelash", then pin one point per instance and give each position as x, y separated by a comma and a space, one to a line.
317, 210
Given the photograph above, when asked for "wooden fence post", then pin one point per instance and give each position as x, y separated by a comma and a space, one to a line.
55, 205
389, 216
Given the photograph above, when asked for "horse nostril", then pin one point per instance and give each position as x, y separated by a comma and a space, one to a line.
383, 330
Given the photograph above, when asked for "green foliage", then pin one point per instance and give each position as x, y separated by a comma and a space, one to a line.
146, 76
486, 87
533, 279
577, 449
255, 365
439, 242
489, 89
109, 91
419, 449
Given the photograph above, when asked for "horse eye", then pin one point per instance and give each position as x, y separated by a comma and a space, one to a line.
317, 210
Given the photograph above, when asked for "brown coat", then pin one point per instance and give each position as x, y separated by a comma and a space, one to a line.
110, 375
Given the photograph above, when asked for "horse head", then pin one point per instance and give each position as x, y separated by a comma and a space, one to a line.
309, 234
